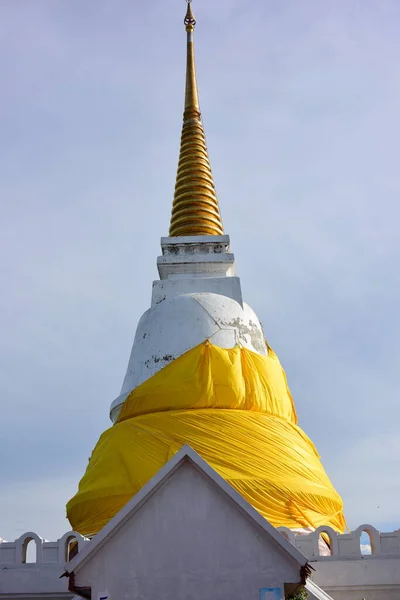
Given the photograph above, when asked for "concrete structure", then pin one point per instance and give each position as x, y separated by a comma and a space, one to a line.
198, 293
189, 534
347, 576
39, 578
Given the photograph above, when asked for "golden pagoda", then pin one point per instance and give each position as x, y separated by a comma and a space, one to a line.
201, 373
195, 210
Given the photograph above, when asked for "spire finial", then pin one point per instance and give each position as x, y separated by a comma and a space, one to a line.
190, 21
195, 210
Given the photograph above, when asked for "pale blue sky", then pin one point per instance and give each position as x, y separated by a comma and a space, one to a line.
300, 106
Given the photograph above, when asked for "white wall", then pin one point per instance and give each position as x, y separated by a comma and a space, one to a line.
373, 579
188, 541
346, 575
40, 578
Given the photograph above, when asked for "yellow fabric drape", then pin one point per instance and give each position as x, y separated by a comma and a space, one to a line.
234, 408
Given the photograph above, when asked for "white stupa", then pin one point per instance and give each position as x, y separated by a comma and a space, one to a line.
204, 486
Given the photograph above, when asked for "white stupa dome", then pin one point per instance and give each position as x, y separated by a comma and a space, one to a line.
177, 324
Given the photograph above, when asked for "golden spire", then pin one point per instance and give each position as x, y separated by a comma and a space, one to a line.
195, 210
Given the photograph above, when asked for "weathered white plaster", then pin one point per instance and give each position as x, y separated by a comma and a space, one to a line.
177, 324
224, 286
197, 256
194, 301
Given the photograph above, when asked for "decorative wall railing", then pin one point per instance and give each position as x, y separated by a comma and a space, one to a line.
345, 545
341, 546
16, 553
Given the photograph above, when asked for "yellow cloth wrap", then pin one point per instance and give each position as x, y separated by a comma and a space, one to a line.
234, 408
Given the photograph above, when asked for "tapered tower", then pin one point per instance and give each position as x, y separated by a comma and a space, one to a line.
195, 210
201, 373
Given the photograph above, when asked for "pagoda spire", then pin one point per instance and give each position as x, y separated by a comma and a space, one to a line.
195, 209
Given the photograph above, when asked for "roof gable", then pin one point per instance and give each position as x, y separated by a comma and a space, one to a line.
185, 454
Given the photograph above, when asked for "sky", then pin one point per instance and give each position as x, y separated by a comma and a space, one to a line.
300, 107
